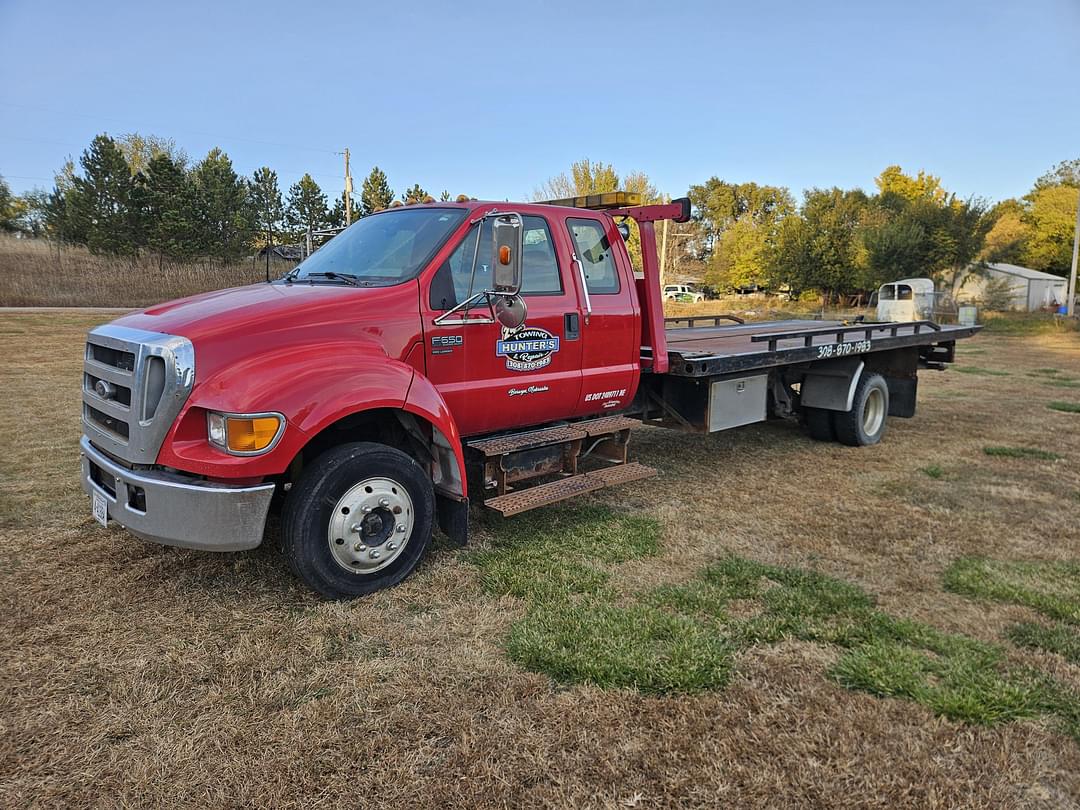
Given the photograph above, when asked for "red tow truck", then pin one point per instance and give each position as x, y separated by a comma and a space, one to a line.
432, 351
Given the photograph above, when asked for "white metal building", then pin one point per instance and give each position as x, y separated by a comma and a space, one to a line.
1030, 289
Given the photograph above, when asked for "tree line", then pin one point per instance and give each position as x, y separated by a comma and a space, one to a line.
137, 194
134, 195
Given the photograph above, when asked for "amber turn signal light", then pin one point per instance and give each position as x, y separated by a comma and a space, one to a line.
504, 254
243, 434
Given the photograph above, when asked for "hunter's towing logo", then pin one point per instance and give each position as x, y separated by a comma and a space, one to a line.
527, 349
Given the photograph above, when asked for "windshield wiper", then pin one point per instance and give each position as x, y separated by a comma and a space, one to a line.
348, 278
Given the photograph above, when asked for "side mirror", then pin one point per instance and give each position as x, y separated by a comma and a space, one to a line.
624, 231
507, 233
510, 311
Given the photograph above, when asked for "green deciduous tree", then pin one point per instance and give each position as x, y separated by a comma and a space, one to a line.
584, 177
822, 249
9, 209
923, 186
375, 192
139, 150
1051, 217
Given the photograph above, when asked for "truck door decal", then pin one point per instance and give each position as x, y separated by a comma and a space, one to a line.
528, 349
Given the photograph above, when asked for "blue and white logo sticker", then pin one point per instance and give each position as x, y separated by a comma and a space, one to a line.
528, 349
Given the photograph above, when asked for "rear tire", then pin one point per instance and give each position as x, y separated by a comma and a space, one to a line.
864, 424
819, 424
358, 520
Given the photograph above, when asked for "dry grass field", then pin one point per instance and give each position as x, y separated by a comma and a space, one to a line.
771, 622
34, 274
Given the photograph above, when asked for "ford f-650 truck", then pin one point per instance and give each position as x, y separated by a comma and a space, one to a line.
434, 351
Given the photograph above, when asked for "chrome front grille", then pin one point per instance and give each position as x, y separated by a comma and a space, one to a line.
134, 384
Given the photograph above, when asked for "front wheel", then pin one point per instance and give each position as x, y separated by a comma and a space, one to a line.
358, 520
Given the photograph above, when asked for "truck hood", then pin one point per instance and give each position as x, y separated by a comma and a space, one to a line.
267, 309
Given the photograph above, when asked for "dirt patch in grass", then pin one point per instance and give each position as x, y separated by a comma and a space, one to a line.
143, 675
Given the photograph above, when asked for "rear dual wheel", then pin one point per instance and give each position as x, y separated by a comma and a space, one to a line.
863, 425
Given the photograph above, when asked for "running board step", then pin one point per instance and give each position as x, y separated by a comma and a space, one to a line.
522, 501
545, 437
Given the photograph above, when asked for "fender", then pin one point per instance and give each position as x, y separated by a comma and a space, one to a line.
831, 385
425, 401
312, 390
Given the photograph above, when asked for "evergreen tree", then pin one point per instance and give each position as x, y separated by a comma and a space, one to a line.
224, 227
445, 196
171, 216
415, 195
375, 193
99, 202
306, 207
266, 206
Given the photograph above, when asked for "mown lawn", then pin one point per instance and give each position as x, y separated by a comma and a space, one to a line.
770, 622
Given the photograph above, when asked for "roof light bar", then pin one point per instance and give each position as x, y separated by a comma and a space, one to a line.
600, 202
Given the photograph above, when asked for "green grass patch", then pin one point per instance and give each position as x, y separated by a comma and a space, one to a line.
556, 555
933, 471
1021, 452
1060, 382
598, 642
578, 628
1058, 638
1043, 372
1066, 407
985, 372
1051, 588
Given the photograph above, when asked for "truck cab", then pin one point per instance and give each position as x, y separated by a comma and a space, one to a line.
347, 390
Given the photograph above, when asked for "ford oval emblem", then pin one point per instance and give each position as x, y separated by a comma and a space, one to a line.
104, 389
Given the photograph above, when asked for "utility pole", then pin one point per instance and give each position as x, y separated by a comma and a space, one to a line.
348, 191
1071, 300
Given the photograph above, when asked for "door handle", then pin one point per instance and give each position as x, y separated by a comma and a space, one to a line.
571, 326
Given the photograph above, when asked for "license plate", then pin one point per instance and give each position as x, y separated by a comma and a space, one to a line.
101, 508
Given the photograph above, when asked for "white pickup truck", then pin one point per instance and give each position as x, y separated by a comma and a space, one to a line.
683, 293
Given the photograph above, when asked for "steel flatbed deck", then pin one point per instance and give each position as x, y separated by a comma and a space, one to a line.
705, 351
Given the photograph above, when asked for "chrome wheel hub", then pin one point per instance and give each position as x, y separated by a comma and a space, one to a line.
370, 525
873, 412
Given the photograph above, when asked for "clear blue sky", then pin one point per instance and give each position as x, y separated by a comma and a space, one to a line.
492, 98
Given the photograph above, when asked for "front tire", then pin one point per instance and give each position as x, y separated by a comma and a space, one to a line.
358, 520
864, 424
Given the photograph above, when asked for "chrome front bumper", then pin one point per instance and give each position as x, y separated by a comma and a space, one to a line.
205, 516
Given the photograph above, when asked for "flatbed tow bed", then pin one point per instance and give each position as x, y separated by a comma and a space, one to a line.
701, 351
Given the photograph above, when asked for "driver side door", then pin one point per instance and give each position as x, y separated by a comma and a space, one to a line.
493, 378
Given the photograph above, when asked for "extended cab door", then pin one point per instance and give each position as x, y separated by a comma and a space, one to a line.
611, 326
493, 379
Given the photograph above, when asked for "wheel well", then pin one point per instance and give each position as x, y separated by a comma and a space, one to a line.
412, 435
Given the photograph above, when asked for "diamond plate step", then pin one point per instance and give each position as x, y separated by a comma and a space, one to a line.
515, 502
500, 445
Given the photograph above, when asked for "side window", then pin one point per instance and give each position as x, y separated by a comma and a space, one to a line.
450, 285
594, 252
539, 268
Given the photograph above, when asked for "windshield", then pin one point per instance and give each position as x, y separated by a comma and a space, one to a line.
382, 249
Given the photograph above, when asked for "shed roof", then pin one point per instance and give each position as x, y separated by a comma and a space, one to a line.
1023, 272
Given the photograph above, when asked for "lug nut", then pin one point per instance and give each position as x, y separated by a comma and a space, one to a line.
356, 527
383, 502
359, 547
401, 528
366, 509
391, 546
374, 555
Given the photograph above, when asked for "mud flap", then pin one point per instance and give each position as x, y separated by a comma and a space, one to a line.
453, 516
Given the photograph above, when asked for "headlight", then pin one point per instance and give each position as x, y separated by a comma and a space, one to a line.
244, 434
